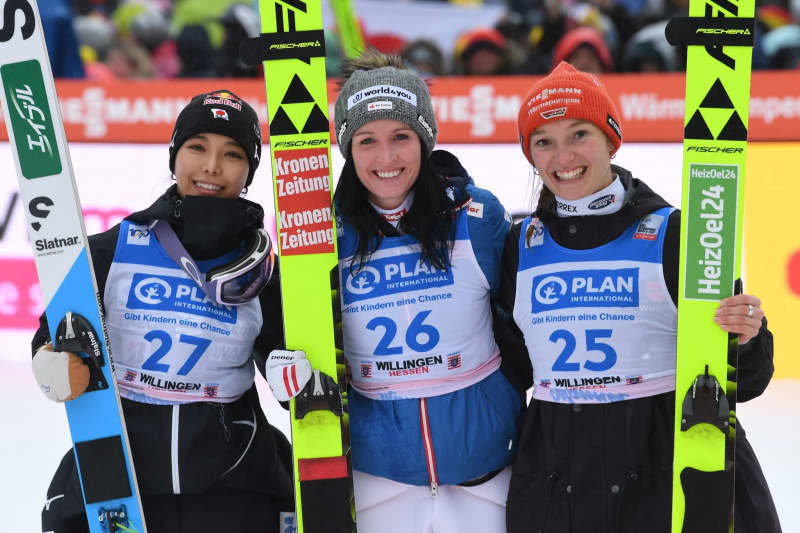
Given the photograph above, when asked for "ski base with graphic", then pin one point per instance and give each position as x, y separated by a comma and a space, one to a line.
58, 236
292, 49
719, 38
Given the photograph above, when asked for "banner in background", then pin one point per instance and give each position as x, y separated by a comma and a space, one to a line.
469, 110
772, 245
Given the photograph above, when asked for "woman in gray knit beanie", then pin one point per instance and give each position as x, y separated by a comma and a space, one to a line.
432, 416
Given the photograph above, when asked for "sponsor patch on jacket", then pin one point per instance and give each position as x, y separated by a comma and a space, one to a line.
534, 235
648, 227
475, 209
138, 235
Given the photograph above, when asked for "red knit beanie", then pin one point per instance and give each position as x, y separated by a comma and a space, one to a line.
579, 36
568, 93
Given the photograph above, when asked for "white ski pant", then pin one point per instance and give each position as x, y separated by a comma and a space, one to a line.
386, 506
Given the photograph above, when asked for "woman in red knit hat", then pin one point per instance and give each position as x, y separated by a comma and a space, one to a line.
589, 295
585, 49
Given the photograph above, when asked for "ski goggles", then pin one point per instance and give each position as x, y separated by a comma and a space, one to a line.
232, 283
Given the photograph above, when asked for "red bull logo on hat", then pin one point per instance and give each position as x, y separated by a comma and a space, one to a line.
223, 98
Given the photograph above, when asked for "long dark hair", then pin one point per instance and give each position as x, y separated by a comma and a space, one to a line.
431, 218
546, 201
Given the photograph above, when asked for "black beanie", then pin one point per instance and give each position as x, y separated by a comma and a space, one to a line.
219, 112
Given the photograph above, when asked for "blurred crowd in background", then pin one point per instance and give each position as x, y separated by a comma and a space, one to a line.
103, 40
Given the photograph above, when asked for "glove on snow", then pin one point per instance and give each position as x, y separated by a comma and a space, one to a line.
287, 373
62, 376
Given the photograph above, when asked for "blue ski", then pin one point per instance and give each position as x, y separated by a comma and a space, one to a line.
60, 248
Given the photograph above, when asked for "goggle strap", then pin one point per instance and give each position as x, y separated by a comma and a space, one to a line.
175, 250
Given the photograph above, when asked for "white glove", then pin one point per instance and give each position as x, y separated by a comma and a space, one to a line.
62, 376
287, 373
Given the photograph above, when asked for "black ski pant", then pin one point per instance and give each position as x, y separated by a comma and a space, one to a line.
220, 509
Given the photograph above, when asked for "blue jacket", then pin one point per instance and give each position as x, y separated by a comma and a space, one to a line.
471, 432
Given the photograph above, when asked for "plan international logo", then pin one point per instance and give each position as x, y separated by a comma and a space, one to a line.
585, 288
392, 275
166, 293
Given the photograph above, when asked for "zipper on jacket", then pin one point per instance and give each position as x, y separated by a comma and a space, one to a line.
427, 442
176, 474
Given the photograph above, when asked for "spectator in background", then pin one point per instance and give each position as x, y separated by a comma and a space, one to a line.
206, 13
334, 55
128, 60
424, 57
589, 15
385, 43
782, 47
196, 53
240, 22
96, 35
546, 26
585, 49
62, 43
481, 52
87, 7
649, 51
516, 30
95, 31
770, 18
149, 28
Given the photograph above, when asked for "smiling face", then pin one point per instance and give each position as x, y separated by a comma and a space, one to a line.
572, 157
209, 164
387, 157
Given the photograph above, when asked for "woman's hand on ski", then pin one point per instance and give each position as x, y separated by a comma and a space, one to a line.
740, 314
287, 373
62, 376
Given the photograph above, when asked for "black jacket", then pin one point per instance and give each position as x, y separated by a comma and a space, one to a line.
607, 468
214, 447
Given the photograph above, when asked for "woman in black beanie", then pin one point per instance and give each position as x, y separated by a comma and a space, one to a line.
187, 321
